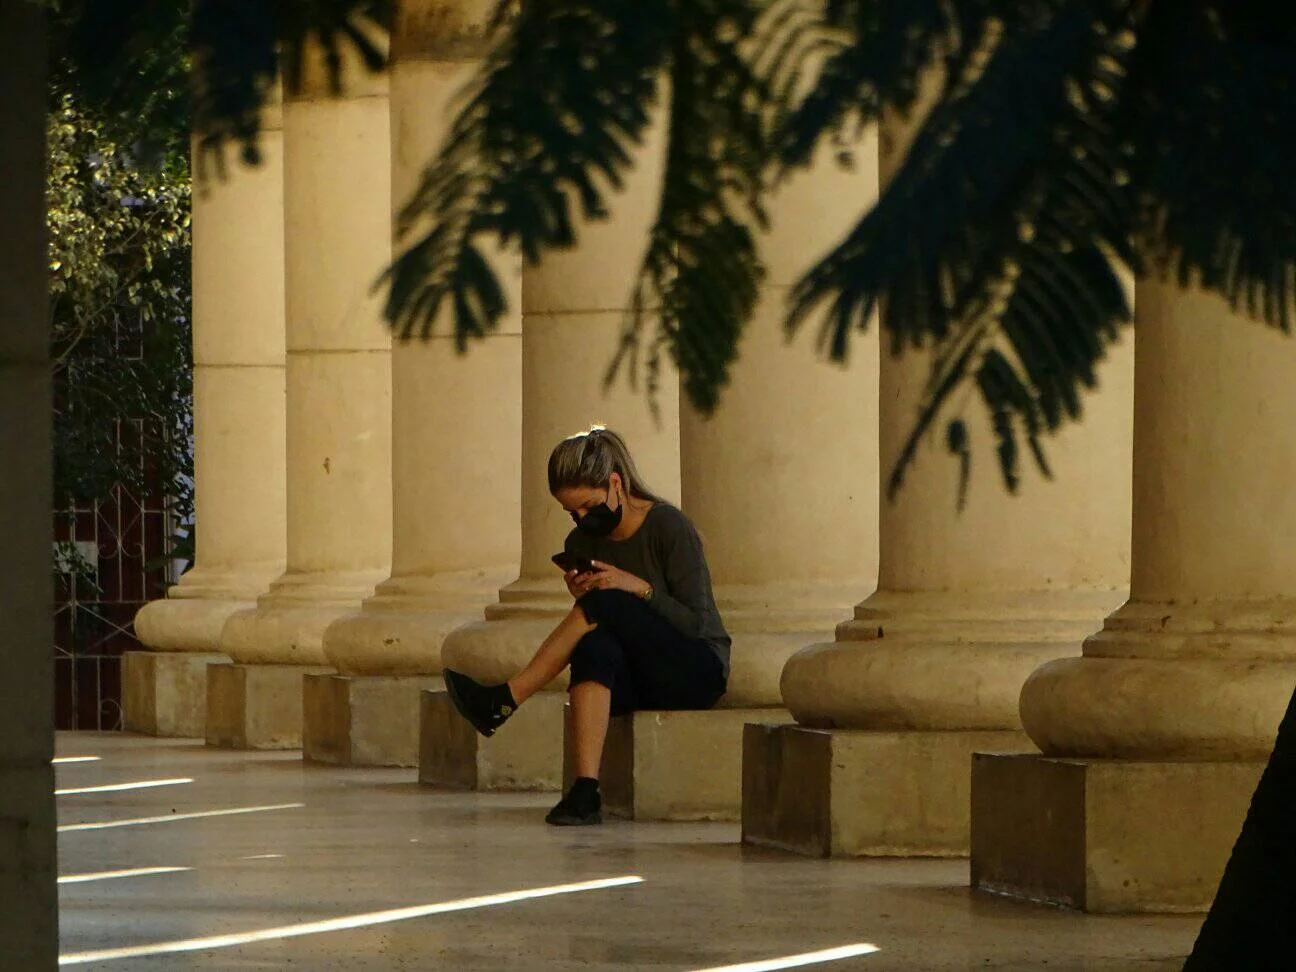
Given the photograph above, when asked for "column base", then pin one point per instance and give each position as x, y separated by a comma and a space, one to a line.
363, 720
862, 793
673, 765
1108, 836
282, 633
165, 693
525, 754
256, 706
188, 621
493, 651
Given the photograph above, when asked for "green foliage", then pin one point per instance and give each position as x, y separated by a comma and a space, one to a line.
119, 249
232, 55
128, 65
703, 270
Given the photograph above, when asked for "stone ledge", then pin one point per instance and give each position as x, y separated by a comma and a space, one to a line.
862, 793
363, 720
669, 765
165, 693
1109, 836
256, 706
525, 754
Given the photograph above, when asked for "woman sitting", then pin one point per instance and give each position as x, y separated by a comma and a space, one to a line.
644, 632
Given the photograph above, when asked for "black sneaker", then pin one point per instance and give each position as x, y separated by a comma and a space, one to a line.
487, 707
581, 807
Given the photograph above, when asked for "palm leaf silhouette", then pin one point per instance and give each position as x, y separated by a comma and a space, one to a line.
702, 271
996, 243
1069, 138
523, 153
1212, 95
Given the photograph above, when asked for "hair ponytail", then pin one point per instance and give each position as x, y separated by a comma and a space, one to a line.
590, 458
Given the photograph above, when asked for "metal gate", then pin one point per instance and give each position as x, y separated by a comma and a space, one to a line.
111, 558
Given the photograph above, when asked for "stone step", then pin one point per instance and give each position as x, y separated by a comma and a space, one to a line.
256, 706
524, 754
164, 693
660, 765
862, 793
363, 720
1106, 836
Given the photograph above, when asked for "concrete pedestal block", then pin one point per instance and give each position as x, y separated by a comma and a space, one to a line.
256, 706
363, 720
524, 754
674, 765
165, 693
1110, 836
862, 793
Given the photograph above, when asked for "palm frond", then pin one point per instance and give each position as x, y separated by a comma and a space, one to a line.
547, 131
864, 56
996, 242
702, 272
1215, 87
241, 48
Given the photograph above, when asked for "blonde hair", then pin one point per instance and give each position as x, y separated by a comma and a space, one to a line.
590, 458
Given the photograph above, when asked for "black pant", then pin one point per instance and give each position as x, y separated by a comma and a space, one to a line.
642, 658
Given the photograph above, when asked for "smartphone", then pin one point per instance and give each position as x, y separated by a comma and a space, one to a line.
570, 562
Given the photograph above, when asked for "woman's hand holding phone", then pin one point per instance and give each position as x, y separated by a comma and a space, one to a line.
578, 572
609, 578
580, 582
583, 576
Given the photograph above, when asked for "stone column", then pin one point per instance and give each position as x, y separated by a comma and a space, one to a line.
337, 240
239, 493
782, 481
456, 451
968, 604
28, 862
573, 311
1154, 739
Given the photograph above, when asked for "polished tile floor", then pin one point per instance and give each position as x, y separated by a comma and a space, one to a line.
324, 869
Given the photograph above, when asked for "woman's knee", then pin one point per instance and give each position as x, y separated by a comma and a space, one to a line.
596, 658
603, 606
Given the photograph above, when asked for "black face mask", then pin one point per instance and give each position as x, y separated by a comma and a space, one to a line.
599, 521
